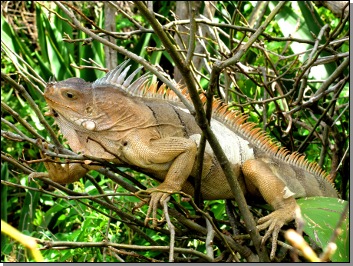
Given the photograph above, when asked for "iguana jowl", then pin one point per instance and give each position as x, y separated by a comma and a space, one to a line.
133, 124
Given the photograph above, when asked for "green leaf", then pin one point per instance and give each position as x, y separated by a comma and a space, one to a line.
312, 18
321, 216
30, 204
59, 207
64, 255
218, 209
7, 36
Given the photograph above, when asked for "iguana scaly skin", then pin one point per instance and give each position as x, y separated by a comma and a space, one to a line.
134, 124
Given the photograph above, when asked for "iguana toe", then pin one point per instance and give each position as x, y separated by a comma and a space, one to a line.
158, 198
274, 223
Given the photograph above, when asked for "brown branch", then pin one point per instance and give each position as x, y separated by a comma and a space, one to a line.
337, 92
171, 230
69, 245
129, 54
15, 163
23, 122
33, 105
192, 36
303, 76
339, 70
323, 92
24, 73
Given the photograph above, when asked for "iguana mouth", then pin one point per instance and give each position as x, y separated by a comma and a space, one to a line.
55, 113
52, 112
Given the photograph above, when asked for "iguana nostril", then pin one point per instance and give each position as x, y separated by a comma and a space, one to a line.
89, 110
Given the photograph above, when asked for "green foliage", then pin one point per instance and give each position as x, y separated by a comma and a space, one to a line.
321, 216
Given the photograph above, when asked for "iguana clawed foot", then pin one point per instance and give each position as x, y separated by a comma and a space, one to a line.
274, 222
59, 172
56, 171
159, 197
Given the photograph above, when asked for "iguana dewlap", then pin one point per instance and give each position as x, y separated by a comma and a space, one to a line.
133, 124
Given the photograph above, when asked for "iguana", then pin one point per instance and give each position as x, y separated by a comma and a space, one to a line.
138, 124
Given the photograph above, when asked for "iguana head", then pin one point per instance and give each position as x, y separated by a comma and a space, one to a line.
71, 104
96, 111
70, 100
92, 106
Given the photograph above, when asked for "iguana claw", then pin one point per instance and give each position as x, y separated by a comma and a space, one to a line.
62, 174
158, 198
274, 222
56, 171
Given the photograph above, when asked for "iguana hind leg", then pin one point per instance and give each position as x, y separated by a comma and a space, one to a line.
275, 192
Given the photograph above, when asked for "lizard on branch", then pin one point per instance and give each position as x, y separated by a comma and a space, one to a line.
138, 124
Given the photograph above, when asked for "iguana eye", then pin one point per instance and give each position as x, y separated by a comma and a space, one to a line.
69, 94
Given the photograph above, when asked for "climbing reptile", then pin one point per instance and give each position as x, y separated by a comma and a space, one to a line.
139, 124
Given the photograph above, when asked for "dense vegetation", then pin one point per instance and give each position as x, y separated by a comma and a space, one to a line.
285, 65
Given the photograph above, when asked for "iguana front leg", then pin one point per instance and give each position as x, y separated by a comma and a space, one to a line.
61, 173
275, 192
65, 174
172, 154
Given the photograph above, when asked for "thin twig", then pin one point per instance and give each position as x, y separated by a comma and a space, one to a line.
23, 122
192, 36
131, 55
209, 239
303, 77
171, 230
33, 105
69, 245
